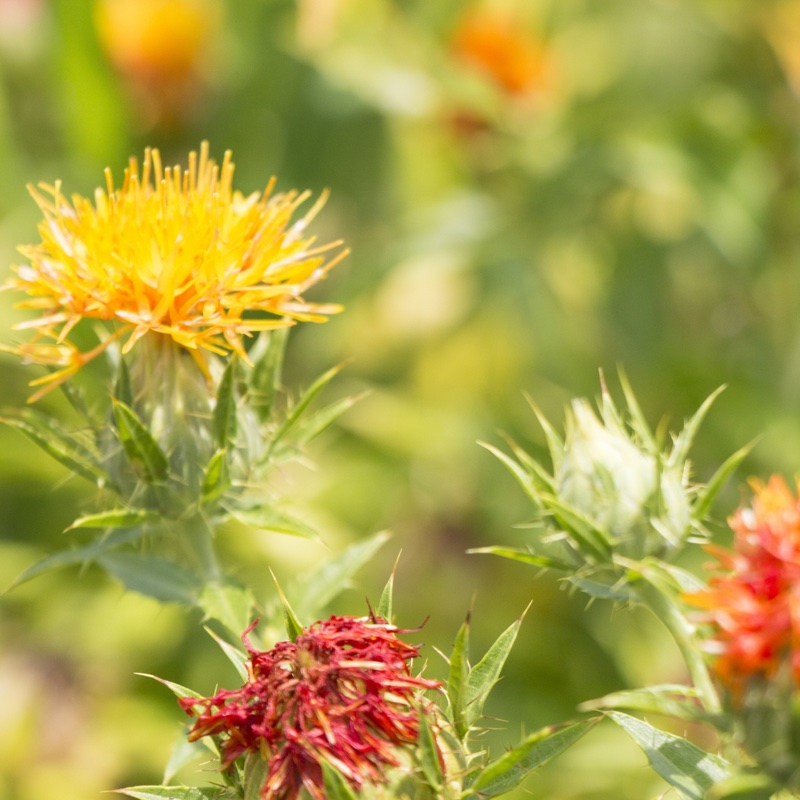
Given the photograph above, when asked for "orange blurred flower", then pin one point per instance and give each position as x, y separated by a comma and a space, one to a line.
162, 49
752, 604
175, 253
497, 47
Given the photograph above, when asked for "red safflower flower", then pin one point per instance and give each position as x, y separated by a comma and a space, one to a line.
753, 608
341, 693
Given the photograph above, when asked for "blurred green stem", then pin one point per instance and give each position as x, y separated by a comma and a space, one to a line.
655, 595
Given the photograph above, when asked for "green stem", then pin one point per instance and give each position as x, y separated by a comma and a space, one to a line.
656, 596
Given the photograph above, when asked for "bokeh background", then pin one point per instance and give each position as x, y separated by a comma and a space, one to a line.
532, 190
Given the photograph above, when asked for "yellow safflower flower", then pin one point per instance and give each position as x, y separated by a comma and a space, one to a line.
175, 253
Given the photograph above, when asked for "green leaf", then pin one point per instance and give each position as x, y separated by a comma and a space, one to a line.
122, 386
336, 787
525, 557
115, 518
265, 378
683, 765
684, 440
154, 577
255, 773
229, 603
223, 421
267, 518
523, 477
555, 444
179, 691
533, 751
216, 478
671, 700
754, 786
457, 680
236, 656
184, 753
63, 446
313, 592
80, 555
483, 676
140, 447
176, 792
707, 494
384, 609
638, 421
293, 626
298, 409
313, 425
430, 759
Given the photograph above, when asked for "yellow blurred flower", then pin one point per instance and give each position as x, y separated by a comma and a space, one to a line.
175, 253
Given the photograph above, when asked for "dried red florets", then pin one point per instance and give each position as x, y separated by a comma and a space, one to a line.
753, 608
341, 693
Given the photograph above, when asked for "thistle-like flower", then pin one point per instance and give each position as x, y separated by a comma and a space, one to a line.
173, 253
340, 695
751, 613
751, 603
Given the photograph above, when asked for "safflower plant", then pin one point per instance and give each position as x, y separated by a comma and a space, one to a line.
183, 290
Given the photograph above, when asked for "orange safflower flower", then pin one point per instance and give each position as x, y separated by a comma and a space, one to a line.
752, 604
177, 253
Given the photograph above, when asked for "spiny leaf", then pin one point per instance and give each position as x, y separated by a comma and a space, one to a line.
298, 409
179, 691
60, 445
483, 676
683, 442
384, 609
184, 753
115, 518
525, 557
313, 592
429, 753
122, 386
533, 751
268, 518
79, 555
708, 493
336, 787
555, 444
236, 656
683, 765
229, 603
293, 626
216, 478
223, 422
457, 680
155, 577
671, 700
176, 792
139, 445
265, 378
255, 773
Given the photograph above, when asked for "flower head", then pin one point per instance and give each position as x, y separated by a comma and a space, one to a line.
753, 604
341, 694
173, 252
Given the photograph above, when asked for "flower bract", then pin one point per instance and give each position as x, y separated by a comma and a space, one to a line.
173, 252
340, 694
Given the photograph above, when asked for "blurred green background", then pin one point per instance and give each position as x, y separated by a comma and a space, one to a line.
532, 190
